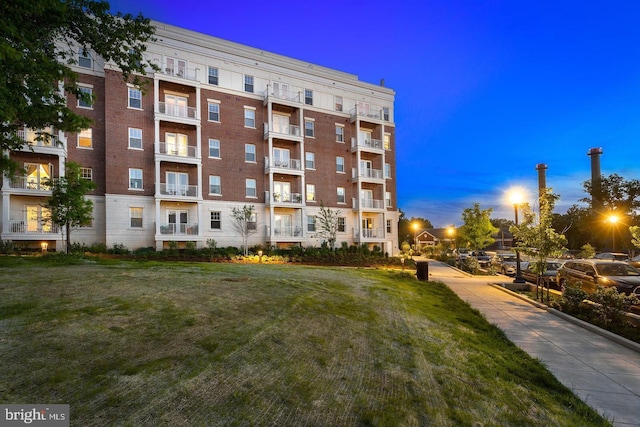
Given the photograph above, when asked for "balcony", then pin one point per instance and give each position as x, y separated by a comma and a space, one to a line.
50, 146
283, 198
289, 132
367, 175
180, 72
178, 190
368, 204
285, 166
32, 227
368, 234
177, 113
172, 229
177, 153
31, 185
284, 231
371, 145
282, 96
367, 112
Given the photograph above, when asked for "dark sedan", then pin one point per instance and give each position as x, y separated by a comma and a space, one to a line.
548, 277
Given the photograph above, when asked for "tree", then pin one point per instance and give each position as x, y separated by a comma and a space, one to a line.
536, 237
328, 222
477, 229
244, 223
39, 41
67, 206
406, 230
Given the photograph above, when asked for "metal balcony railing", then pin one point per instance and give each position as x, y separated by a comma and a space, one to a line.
177, 110
366, 173
29, 136
368, 204
177, 150
278, 197
178, 190
32, 227
292, 164
26, 183
288, 130
368, 233
277, 93
179, 229
367, 143
182, 72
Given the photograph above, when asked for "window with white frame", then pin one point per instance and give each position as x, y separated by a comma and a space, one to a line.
387, 199
248, 83
135, 179
213, 76
214, 148
84, 59
387, 141
385, 113
339, 164
252, 224
135, 138
388, 226
251, 188
387, 170
311, 223
86, 173
87, 94
214, 185
85, 138
216, 221
309, 160
135, 98
249, 117
342, 224
250, 153
135, 215
338, 103
309, 128
214, 111
341, 194
311, 193
308, 97
339, 133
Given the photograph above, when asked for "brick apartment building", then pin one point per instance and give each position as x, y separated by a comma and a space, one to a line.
220, 126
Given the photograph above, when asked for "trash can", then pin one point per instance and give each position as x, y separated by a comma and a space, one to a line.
422, 270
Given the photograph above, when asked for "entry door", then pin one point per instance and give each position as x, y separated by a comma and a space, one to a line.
366, 198
363, 108
366, 168
281, 124
176, 105
281, 157
367, 227
283, 225
37, 174
282, 192
176, 144
178, 220
35, 219
177, 183
365, 137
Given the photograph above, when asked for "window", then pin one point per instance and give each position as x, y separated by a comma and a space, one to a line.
85, 138
340, 164
308, 97
388, 226
249, 118
311, 193
311, 223
214, 185
248, 84
251, 190
86, 173
342, 224
385, 113
84, 59
136, 217
135, 179
309, 128
213, 76
338, 102
86, 101
216, 223
387, 199
135, 138
339, 133
310, 160
249, 153
387, 141
252, 224
340, 193
387, 170
214, 112
135, 98
214, 148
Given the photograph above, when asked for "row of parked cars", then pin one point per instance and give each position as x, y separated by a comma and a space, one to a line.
606, 269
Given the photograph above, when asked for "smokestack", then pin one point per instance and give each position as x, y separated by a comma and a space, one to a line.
596, 179
542, 178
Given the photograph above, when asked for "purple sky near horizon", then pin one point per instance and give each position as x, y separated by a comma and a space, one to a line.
485, 90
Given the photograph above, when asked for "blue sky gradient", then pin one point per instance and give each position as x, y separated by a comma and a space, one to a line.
485, 90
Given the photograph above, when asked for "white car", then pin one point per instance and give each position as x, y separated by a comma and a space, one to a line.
462, 254
507, 263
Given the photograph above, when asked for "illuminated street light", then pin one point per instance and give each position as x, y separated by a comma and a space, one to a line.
516, 197
451, 232
613, 219
415, 235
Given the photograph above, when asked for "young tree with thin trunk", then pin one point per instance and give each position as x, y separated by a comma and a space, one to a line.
67, 206
328, 222
244, 223
477, 228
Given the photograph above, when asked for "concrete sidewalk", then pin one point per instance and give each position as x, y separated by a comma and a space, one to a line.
603, 373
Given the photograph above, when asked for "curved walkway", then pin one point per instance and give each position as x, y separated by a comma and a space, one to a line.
603, 373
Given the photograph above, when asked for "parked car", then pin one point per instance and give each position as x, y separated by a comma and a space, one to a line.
548, 277
462, 253
483, 258
612, 256
635, 261
507, 263
592, 272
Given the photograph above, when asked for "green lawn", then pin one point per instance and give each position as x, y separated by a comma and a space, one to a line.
184, 344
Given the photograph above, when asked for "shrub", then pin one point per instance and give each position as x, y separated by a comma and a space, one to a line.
119, 249
7, 247
572, 297
611, 305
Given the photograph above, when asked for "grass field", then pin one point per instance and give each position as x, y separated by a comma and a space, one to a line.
180, 344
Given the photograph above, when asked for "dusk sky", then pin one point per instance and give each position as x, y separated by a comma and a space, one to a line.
485, 90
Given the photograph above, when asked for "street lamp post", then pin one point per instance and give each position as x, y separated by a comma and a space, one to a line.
415, 236
516, 199
613, 220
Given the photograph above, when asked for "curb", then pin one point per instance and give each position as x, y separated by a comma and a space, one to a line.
585, 325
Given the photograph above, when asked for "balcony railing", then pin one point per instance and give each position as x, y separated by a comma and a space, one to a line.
367, 143
177, 110
32, 227
178, 190
368, 233
179, 229
182, 72
29, 137
177, 150
288, 130
289, 231
292, 164
278, 197
286, 95
370, 112
368, 204
25, 183
366, 173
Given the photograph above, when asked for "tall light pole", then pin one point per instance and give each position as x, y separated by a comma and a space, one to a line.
451, 231
613, 220
516, 197
415, 236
